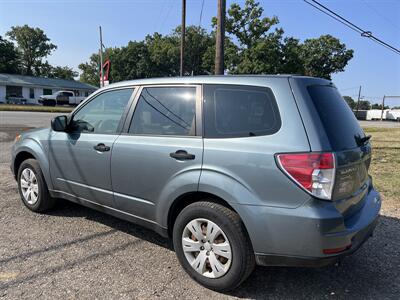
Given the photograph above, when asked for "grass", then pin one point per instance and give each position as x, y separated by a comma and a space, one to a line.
385, 165
35, 108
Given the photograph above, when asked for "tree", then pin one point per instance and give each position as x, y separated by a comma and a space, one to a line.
254, 45
378, 106
9, 59
247, 25
350, 101
364, 105
156, 56
90, 70
259, 50
63, 73
49, 71
264, 49
33, 45
324, 56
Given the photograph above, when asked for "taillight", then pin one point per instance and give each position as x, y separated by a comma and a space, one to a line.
315, 172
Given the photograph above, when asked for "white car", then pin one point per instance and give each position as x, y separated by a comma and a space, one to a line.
61, 98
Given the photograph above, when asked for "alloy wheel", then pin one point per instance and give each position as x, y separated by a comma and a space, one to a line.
29, 186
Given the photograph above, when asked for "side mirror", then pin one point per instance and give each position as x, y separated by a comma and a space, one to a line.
59, 123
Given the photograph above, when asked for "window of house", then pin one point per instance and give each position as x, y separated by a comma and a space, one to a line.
47, 92
32, 93
13, 91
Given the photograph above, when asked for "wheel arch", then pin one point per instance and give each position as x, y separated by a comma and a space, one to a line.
188, 198
32, 150
20, 158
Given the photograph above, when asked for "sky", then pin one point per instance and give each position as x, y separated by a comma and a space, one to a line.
73, 26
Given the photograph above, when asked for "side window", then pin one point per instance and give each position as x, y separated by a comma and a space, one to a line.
103, 113
165, 111
239, 111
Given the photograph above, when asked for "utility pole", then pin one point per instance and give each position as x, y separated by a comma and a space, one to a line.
383, 106
183, 32
358, 100
101, 59
219, 43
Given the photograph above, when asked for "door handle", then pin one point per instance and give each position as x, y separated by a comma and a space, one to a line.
101, 147
182, 155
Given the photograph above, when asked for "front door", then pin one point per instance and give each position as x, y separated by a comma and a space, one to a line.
80, 158
161, 152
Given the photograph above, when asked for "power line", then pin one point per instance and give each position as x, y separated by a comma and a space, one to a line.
201, 13
166, 15
381, 15
352, 26
159, 16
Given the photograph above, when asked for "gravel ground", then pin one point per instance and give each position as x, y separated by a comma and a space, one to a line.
74, 252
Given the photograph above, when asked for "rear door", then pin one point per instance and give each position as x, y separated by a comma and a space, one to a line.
160, 152
348, 141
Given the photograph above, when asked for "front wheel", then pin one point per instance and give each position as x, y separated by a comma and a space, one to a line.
212, 246
32, 187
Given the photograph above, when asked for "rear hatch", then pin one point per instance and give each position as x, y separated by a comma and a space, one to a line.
350, 145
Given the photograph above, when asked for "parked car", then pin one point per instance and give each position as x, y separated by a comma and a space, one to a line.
237, 170
61, 98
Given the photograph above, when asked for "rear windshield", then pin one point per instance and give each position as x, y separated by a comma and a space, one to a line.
339, 122
239, 111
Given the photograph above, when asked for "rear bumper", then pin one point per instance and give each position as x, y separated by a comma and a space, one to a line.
297, 261
298, 237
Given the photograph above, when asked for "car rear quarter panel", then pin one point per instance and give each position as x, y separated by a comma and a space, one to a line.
244, 170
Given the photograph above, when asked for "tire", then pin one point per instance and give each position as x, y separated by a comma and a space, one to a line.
43, 201
49, 103
235, 270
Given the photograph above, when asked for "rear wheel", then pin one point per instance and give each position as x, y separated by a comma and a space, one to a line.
212, 246
49, 103
32, 187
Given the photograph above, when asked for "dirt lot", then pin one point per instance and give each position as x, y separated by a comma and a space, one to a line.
74, 252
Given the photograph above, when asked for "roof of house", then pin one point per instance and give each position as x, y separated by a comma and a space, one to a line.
15, 79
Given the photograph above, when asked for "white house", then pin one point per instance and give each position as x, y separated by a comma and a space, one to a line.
15, 87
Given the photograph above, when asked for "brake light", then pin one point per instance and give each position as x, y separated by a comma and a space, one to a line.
314, 172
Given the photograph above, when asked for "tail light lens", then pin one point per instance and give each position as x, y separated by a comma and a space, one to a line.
314, 172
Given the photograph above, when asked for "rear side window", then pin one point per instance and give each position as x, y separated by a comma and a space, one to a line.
239, 111
165, 111
338, 120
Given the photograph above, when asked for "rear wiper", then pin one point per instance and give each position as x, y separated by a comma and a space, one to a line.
362, 140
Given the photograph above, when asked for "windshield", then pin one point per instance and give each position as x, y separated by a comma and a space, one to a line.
338, 120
